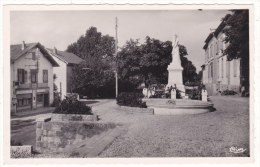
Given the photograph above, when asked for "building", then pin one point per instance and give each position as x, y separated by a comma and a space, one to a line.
63, 73
219, 74
31, 76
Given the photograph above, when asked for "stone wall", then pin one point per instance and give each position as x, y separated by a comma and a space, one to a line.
73, 117
137, 109
54, 136
21, 151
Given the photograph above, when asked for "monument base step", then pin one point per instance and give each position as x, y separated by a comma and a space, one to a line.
179, 111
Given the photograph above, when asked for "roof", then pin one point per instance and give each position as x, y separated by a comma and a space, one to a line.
67, 57
216, 32
207, 40
16, 52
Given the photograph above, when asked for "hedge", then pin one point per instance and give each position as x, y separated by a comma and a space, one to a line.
131, 99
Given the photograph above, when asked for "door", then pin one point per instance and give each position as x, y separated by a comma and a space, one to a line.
46, 100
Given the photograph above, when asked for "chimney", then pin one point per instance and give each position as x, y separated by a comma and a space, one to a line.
23, 45
55, 50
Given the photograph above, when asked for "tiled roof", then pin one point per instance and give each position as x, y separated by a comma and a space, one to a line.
68, 57
16, 52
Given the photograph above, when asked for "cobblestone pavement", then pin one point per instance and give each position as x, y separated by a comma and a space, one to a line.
202, 135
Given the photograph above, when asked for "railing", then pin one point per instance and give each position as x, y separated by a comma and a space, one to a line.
32, 85
42, 85
25, 86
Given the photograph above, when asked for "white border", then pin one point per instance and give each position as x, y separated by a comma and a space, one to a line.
217, 161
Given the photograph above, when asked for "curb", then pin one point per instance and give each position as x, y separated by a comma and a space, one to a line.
94, 146
103, 143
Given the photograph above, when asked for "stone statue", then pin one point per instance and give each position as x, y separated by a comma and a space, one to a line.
174, 68
176, 41
175, 50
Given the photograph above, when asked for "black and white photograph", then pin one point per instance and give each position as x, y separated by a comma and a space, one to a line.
129, 83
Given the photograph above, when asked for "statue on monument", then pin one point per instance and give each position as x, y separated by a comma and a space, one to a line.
176, 41
175, 68
176, 62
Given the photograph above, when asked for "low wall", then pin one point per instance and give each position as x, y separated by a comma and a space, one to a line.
73, 117
54, 136
21, 151
137, 109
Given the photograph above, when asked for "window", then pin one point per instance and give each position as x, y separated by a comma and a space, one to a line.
207, 54
45, 76
22, 75
33, 75
216, 48
219, 70
210, 51
227, 68
20, 102
40, 98
33, 56
24, 102
211, 66
235, 67
210, 70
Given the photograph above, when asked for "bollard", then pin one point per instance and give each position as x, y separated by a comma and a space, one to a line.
204, 95
173, 94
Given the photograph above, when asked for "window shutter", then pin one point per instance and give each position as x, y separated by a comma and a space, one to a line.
45, 76
18, 74
33, 56
235, 67
25, 76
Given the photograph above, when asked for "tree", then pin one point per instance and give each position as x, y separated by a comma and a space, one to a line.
128, 66
147, 63
237, 36
94, 77
154, 61
189, 70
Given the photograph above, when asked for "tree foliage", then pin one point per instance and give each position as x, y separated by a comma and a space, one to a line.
237, 36
95, 75
147, 63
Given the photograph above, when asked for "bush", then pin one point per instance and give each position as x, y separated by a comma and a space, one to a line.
195, 94
71, 105
228, 92
131, 99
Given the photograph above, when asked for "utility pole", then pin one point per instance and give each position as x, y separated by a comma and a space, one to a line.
116, 72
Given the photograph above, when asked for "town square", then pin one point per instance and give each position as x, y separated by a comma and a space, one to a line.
130, 83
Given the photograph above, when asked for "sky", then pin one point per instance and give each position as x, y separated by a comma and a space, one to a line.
61, 28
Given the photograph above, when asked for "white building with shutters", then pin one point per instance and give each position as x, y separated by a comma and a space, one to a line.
31, 69
219, 74
66, 61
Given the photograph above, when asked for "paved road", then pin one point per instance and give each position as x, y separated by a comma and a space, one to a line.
208, 134
203, 135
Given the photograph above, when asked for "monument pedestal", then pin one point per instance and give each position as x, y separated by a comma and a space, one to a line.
175, 77
175, 69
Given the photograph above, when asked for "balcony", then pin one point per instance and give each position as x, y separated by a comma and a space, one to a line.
42, 85
24, 86
32, 86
